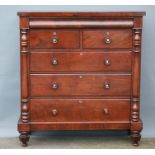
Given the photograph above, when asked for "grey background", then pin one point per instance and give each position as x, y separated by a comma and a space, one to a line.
9, 63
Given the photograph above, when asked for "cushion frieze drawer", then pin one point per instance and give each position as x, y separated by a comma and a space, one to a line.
78, 110
80, 61
80, 85
56, 39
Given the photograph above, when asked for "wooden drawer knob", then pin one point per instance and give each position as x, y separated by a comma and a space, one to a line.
107, 62
106, 111
108, 40
106, 85
54, 40
54, 61
54, 112
55, 86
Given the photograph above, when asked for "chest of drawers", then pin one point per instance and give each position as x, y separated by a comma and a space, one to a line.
80, 71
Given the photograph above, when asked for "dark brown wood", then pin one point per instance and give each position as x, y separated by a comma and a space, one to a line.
80, 23
135, 104
54, 39
80, 85
24, 55
24, 23
135, 137
82, 14
80, 126
80, 71
80, 61
79, 110
24, 138
107, 38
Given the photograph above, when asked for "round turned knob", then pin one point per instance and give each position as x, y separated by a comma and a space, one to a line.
54, 61
54, 40
107, 85
54, 112
107, 62
54, 85
106, 111
107, 40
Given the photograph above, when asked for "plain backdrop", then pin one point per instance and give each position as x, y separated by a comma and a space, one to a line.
9, 63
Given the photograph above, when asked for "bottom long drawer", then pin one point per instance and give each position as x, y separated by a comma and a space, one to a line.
79, 110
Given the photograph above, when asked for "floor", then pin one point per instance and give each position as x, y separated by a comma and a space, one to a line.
77, 142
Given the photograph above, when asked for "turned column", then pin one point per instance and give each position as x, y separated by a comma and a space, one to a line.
136, 124
24, 128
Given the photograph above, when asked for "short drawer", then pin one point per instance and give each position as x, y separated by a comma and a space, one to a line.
80, 85
79, 110
107, 38
80, 61
56, 39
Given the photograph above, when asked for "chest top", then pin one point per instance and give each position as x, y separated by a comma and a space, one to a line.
81, 19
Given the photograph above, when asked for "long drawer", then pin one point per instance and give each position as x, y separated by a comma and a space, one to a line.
80, 85
80, 61
79, 110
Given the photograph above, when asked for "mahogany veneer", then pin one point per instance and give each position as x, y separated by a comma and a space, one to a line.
82, 110
43, 39
80, 71
97, 38
50, 85
73, 61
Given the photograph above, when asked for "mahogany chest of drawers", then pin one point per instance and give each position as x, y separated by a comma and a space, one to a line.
80, 71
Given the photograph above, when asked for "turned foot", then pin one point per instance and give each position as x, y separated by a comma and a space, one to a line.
135, 137
24, 138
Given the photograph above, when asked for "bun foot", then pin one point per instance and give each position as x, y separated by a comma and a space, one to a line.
24, 138
135, 137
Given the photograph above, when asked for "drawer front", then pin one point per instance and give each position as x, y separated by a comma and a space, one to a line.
79, 110
80, 85
57, 39
107, 38
80, 61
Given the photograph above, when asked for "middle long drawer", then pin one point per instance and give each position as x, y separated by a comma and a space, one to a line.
48, 85
80, 61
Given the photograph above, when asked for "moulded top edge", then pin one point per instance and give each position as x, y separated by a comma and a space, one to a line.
82, 14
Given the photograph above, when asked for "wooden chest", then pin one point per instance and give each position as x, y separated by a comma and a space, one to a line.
80, 71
